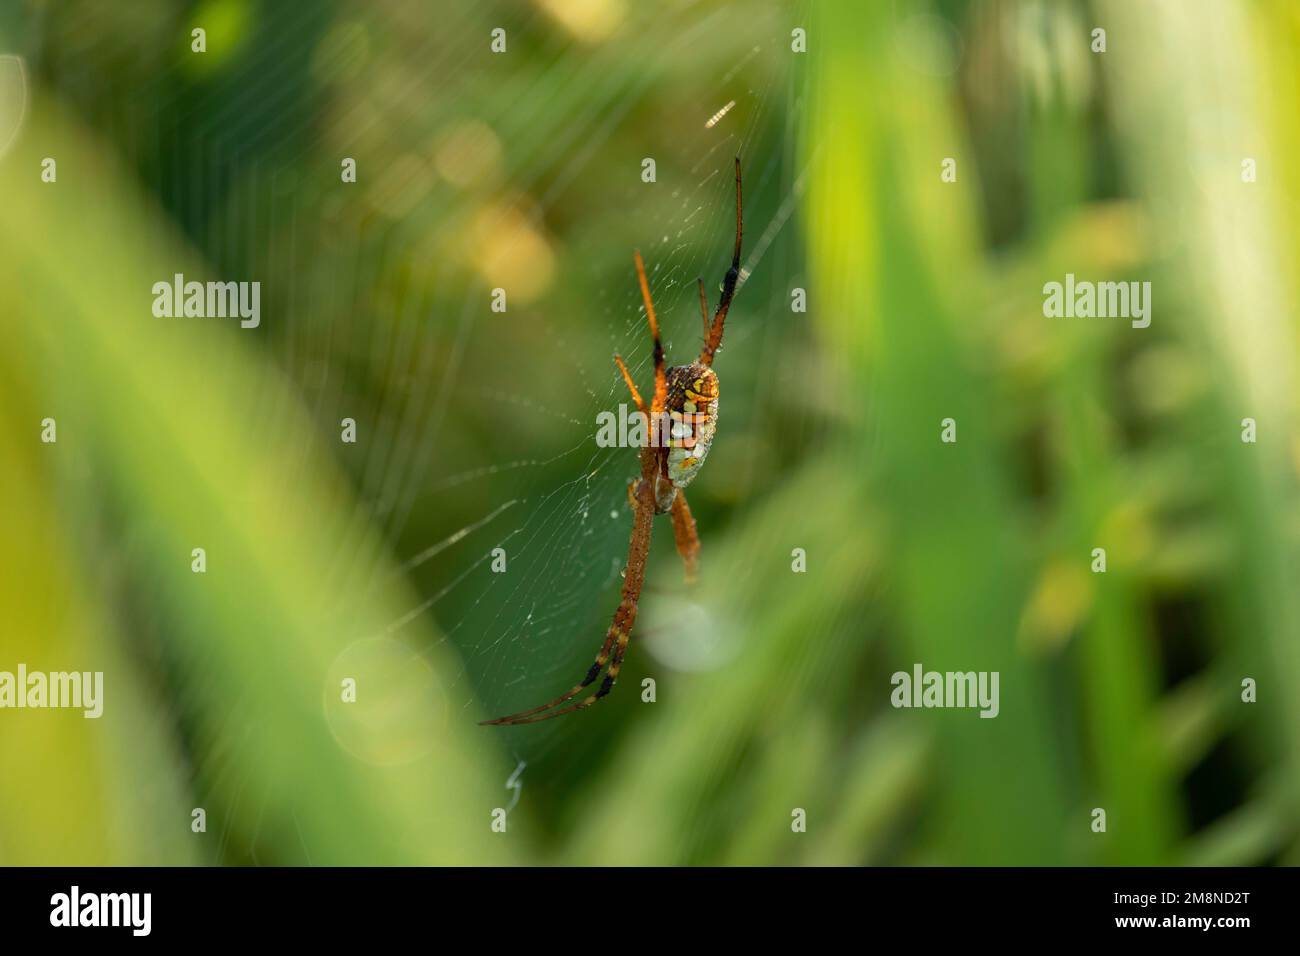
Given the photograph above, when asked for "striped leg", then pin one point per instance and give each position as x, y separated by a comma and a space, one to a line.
661, 380
620, 629
714, 337
605, 687
620, 649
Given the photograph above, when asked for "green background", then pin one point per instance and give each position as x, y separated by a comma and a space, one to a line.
522, 170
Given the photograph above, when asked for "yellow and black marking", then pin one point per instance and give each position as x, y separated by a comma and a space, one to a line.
693, 410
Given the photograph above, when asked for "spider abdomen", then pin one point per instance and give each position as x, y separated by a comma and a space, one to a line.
693, 411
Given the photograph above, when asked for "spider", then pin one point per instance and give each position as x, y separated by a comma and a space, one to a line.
680, 425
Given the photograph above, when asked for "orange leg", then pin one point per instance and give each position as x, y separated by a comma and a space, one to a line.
688, 539
620, 629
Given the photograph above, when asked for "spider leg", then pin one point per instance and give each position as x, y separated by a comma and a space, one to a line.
620, 629
688, 539
656, 427
714, 338
605, 686
631, 387
661, 379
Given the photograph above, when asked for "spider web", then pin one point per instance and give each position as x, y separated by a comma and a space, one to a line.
477, 428
544, 493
